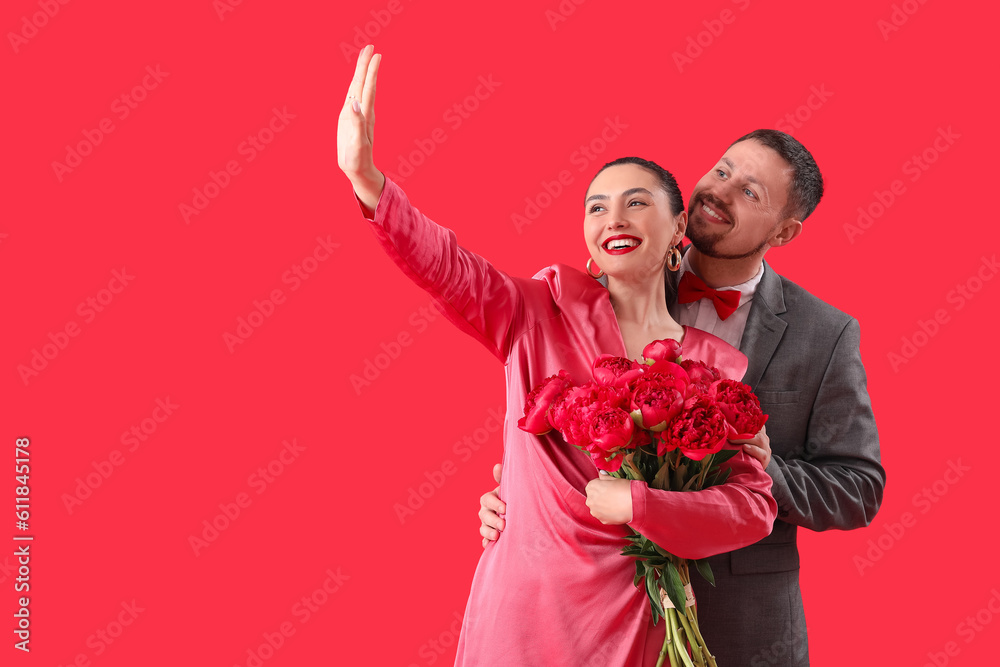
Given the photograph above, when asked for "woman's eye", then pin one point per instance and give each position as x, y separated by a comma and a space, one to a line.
636, 201
595, 208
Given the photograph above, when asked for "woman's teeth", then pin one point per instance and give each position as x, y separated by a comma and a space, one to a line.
618, 244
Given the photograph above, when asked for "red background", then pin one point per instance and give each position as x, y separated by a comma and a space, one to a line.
886, 93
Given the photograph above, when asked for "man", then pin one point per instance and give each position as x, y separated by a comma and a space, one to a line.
805, 367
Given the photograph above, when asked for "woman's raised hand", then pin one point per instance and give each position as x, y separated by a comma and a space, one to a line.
356, 131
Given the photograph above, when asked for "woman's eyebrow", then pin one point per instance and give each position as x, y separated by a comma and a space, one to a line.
630, 191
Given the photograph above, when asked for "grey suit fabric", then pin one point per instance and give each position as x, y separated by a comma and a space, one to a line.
805, 367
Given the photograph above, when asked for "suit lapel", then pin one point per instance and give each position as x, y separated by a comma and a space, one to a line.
764, 328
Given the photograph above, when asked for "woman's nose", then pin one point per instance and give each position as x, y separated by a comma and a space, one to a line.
617, 220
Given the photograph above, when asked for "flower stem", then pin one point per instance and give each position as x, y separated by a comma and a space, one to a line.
671, 623
665, 647
706, 465
692, 639
679, 642
702, 655
692, 615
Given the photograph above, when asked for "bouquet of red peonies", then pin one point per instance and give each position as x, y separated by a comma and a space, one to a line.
664, 421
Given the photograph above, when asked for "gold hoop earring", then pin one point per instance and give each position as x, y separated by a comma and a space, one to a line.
674, 259
589, 262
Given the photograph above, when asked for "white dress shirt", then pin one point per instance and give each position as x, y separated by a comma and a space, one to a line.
701, 313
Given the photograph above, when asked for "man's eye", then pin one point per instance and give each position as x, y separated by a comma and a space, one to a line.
749, 193
721, 173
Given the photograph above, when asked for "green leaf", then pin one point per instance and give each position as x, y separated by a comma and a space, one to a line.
631, 468
674, 587
723, 476
653, 591
724, 455
687, 485
662, 479
705, 569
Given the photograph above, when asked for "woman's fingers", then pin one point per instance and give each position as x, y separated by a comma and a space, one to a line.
360, 72
368, 93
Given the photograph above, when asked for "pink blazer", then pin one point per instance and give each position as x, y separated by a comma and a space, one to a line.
554, 589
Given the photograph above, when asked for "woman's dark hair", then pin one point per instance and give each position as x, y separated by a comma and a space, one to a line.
667, 180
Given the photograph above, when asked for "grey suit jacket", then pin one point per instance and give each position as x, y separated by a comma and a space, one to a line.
805, 366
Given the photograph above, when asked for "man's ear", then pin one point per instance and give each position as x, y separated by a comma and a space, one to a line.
787, 230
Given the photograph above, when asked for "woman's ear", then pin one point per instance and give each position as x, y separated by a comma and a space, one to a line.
681, 222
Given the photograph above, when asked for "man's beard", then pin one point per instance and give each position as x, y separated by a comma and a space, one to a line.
707, 244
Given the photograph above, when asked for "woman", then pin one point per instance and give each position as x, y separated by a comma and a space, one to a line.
555, 590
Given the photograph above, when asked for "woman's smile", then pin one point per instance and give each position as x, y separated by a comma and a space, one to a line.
621, 244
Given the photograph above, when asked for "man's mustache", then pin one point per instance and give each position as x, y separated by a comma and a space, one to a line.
707, 198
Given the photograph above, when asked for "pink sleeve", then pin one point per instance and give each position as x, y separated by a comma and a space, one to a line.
481, 300
698, 524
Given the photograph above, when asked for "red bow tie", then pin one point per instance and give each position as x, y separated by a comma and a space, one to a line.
693, 288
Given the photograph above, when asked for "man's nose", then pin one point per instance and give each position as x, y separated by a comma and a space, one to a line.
722, 192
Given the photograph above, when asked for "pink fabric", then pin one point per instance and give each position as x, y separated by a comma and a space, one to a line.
554, 589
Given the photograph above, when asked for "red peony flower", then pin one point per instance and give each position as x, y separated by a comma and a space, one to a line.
656, 399
618, 371
675, 371
536, 406
699, 430
740, 407
702, 375
611, 431
662, 350
576, 408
